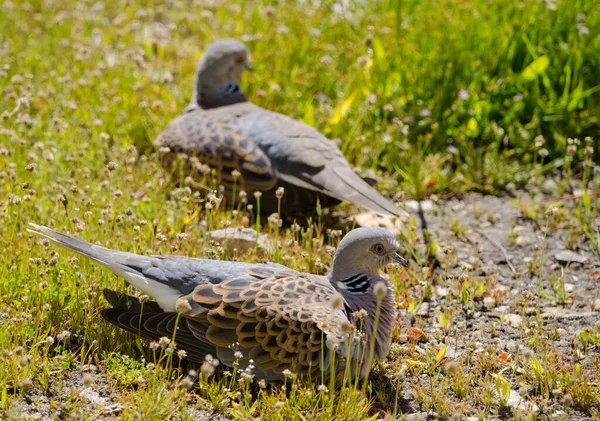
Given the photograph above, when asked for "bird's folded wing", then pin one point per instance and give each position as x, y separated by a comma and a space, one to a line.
305, 158
280, 319
221, 144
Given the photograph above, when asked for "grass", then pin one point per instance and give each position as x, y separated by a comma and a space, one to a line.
435, 97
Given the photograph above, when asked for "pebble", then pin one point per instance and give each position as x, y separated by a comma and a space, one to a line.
513, 319
419, 416
424, 310
489, 303
242, 239
90, 395
515, 401
372, 219
413, 205
561, 313
568, 256
549, 186
442, 291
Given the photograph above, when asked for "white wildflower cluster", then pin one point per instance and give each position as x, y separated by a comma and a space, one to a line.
246, 375
209, 365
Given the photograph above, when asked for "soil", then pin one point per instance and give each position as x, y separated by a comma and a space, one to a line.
495, 242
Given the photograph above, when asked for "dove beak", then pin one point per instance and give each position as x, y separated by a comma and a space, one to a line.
399, 259
248, 67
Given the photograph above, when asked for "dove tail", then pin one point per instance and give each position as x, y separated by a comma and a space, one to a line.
150, 322
355, 190
71, 243
116, 262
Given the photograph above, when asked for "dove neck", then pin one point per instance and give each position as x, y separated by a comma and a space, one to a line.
380, 313
218, 95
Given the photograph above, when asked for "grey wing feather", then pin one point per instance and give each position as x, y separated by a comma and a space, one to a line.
164, 277
304, 157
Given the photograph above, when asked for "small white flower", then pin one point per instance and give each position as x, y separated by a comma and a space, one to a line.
380, 290
183, 305
207, 369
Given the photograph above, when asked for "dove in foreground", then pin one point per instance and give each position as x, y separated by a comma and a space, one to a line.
253, 149
279, 318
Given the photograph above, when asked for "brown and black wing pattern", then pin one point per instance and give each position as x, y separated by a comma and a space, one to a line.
222, 145
279, 319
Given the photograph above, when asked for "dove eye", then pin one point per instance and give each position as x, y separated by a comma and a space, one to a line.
378, 248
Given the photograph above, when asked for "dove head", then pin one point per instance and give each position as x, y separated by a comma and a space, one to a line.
218, 74
365, 251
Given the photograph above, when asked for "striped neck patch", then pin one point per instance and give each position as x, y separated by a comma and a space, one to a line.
357, 283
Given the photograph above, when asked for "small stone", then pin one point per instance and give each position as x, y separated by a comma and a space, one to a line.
569, 287
467, 267
442, 291
419, 416
372, 219
424, 310
568, 256
242, 239
561, 313
489, 303
91, 396
515, 401
502, 309
513, 319
413, 205
115, 409
549, 186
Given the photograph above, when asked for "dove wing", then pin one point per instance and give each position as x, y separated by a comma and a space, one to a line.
221, 144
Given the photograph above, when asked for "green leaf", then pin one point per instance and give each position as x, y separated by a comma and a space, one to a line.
378, 50
472, 127
443, 320
309, 114
441, 353
503, 389
536, 68
340, 111
536, 367
586, 201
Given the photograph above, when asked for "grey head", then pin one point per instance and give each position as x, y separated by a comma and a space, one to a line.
217, 80
365, 251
